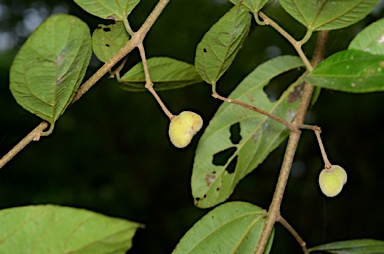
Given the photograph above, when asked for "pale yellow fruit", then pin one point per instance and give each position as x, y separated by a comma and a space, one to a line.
183, 127
332, 180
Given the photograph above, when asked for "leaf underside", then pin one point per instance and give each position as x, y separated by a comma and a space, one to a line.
50, 66
254, 6
359, 246
107, 40
213, 181
219, 46
233, 227
47, 229
328, 14
106, 9
166, 73
371, 39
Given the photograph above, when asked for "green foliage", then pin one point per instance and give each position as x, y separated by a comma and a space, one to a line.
106, 9
51, 64
213, 182
55, 229
234, 227
166, 73
253, 6
351, 71
107, 40
371, 39
220, 44
363, 246
45, 76
328, 14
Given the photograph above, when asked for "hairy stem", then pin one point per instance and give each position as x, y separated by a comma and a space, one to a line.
327, 164
136, 39
149, 84
293, 233
293, 140
289, 125
296, 44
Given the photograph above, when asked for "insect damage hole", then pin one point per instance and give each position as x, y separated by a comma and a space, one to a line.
232, 165
235, 133
279, 84
221, 158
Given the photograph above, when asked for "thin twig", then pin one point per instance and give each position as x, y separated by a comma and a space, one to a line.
327, 164
34, 135
293, 233
131, 44
293, 140
116, 72
289, 125
149, 84
296, 44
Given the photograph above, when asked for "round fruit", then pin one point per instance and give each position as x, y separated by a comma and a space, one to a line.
332, 180
183, 127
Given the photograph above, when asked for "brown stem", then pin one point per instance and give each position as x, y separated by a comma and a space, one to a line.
34, 135
149, 84
293, 233
296, 44
136, 39
291, 126
293, 140
327, 164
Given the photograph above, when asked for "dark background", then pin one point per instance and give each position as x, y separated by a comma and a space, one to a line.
110, 152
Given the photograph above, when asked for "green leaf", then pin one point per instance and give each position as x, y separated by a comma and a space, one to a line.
50, 66
166, 73
253, 6
219, 46
328, 14
107, 9
233, 227
55, 229
237, 140
351, 71
362, 246
371, 39
107, 40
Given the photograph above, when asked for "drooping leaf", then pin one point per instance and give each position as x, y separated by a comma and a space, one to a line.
351, 71
166, 73
360, 246
106, 9
50, 66
55, 229
371, 39
237, 140
328, 14
107, 40
233, 227
253, 6
219, 46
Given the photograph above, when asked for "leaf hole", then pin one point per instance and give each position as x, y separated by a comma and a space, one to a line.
106, 29
221, 158
235, 133
232, 165
107, 45
279, 84
205, 50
